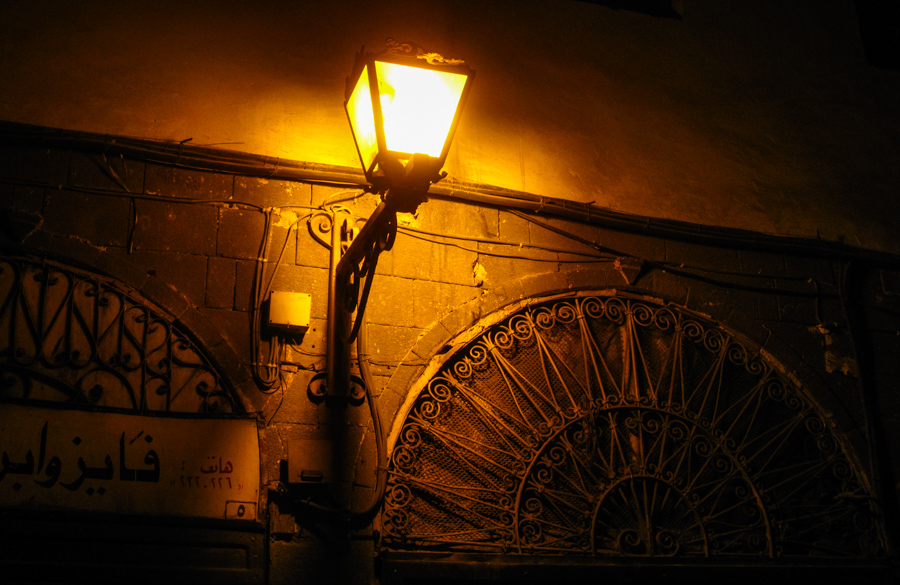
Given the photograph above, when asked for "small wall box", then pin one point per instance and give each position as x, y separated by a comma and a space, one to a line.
289, 311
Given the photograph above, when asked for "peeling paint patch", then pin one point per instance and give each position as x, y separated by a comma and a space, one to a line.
838, 350
285, 218
408, 220
629, 268
479, 273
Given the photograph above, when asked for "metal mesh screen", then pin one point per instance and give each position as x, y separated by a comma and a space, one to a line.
615, 426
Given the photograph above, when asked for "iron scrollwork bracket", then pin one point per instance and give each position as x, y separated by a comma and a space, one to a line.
354, 256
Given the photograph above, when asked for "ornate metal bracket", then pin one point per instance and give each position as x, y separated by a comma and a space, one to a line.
354, 255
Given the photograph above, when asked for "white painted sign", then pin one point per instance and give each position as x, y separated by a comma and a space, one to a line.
161, 466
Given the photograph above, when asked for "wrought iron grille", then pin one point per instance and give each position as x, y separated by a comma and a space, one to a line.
67, 336
615, 426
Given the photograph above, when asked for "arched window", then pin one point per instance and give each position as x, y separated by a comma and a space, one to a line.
74, 337
616, 426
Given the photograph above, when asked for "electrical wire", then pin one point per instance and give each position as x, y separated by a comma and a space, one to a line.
493, 242
590, 259
266, 373
326, 202
685, 270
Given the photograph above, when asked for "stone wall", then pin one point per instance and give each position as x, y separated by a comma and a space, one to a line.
189, 239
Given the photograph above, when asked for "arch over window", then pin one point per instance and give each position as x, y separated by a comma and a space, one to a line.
78, 338
611, 425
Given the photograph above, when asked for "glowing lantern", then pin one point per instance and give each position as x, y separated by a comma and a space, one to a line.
404, 107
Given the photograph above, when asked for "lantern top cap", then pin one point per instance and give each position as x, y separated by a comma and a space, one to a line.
406, 49
411, 53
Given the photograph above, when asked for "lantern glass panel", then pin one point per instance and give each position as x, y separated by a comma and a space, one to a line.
418, 106
362, 120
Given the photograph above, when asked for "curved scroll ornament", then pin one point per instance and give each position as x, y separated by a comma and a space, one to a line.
67, 336
618, 427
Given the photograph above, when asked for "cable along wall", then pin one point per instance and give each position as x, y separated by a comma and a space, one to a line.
616, 426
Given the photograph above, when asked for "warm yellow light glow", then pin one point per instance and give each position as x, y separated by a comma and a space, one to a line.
362, 119
418, 106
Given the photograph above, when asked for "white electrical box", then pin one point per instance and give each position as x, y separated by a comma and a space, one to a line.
290, 311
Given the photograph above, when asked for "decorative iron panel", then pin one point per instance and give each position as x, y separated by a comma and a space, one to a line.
616, 426
67, 336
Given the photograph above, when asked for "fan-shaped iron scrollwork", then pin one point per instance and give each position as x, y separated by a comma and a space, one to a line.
617, 426
67, 336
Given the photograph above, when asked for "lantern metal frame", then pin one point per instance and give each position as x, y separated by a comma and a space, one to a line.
389, 169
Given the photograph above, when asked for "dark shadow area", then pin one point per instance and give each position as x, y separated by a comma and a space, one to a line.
658, 8
879, 30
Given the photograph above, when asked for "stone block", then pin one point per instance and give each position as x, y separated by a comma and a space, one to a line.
458, 218
309, 252
232, 368
389, 344
203, 323
117, 263
766, 303
711, 263
566, 235
404, 377
347, 196
761, 264
243, 285
431, 341
180, 183
182, 272
460, 319
513, 229
820, 270
669, 287
310, 348
592, 278
634, 245
271, 192
433, 300
389, 403
548, 283
176, 227
509, 292
798, 309
248, 392
220, 279
98, 219
720, 302
414, 257
795, 346
91, 171
166, 297
6, 195
364, 470
30, 199
40, 165
75, 251
293, 406
38, 240
240, 234
234, 327
501, 263
392, 301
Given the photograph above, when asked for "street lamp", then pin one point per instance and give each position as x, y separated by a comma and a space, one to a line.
403, 105
403, 109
